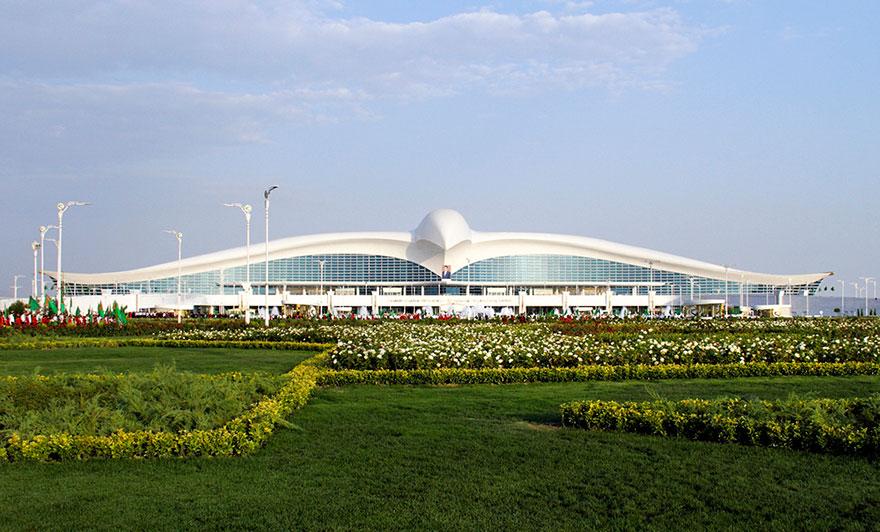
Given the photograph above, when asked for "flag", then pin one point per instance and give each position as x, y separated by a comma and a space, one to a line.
33, 304
53, 306
120, 316
78, 313
100, 310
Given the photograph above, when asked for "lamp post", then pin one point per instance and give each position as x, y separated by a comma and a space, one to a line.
15, 279
62, 208
468, 259
246, 209
179, 236
790, 293
321, 288
266, 194
726, 289
858, 292
842, 293
43, 230
35, 246
867, 280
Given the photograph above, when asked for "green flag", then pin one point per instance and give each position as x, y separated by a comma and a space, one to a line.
78, 313
53, 306
33, 304
100, 309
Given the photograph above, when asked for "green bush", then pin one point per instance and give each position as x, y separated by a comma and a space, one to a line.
591, 373
844, 426
97, 405
242, 435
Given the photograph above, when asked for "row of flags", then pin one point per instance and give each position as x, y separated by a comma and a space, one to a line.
49, 312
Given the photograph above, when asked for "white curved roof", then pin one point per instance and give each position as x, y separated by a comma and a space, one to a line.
444, 237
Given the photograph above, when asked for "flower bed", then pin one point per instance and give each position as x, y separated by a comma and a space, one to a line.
394, 345
823, 425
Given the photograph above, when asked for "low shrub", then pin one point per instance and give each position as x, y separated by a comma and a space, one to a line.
97, 405
242, 435
844, 426
59, 343
592, 373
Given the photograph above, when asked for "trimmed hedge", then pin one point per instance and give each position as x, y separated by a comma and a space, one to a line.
157, 342
842, 426
593, 373
240, 436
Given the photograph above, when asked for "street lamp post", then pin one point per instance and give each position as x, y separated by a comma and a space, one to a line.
36, 247
266, 194
790, 293
179, 236
858, 292
469, 276
726, 289
867, 280
842, 294
43, 230
321, 289
246, 209
62, 208
15, 279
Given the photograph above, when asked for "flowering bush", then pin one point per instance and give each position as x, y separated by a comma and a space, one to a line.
395, 345
822, 425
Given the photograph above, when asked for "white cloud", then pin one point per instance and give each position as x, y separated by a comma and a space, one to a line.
300, 45
74, 124
129, 79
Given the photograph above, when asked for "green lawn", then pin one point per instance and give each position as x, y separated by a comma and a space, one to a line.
468, 457
136, 359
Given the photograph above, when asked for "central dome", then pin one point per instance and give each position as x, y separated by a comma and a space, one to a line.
444, 228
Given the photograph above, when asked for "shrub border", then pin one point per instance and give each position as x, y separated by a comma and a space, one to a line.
158, 342
595, 373
240, 436
249, 431
796, 427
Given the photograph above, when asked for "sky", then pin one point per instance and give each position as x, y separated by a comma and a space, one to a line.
740, 132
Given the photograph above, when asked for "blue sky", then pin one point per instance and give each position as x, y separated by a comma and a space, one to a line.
738, 132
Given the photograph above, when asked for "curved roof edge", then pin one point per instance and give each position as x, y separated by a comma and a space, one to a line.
444, 237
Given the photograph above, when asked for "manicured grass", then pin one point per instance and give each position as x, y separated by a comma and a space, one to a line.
139, 359
468, 457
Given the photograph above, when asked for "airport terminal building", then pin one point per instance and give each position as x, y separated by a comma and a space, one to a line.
439, 266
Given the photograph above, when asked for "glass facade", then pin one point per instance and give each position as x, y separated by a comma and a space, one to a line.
537, 269
357, 270
343, 268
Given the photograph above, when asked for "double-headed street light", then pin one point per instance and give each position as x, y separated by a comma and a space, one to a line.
36, 247
62, 208
266, 194
321, 289
14, 286
246, 209
179, 236
43, 230
867, 280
